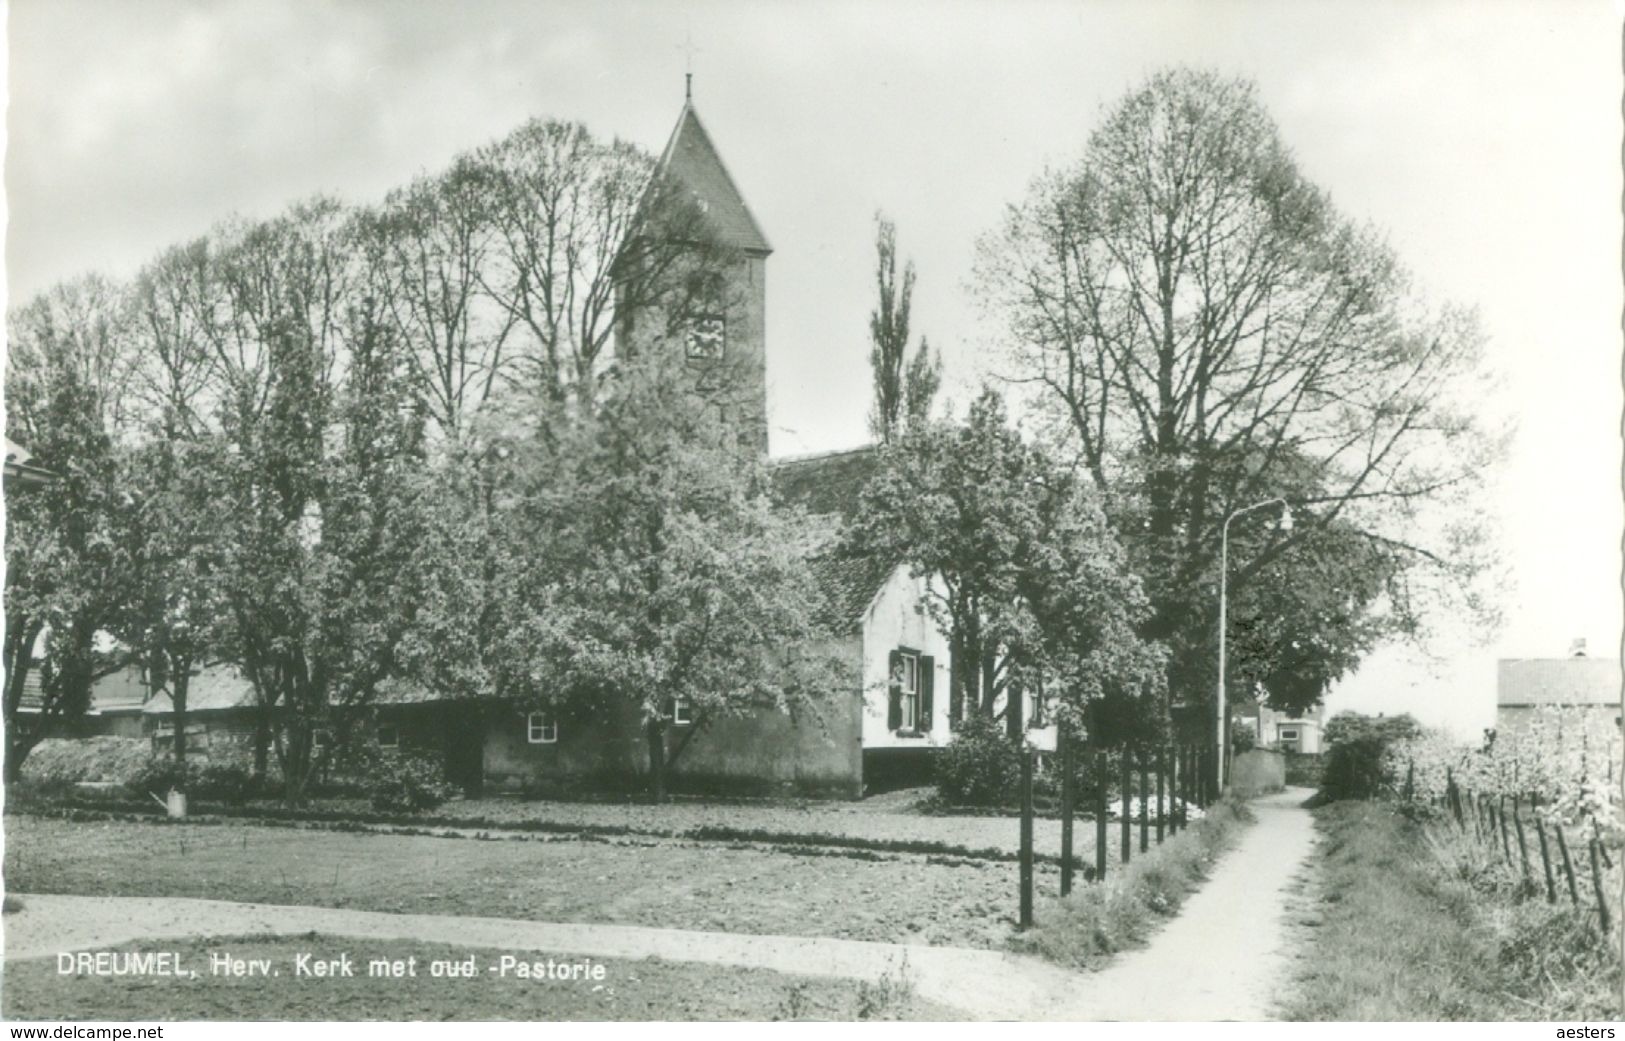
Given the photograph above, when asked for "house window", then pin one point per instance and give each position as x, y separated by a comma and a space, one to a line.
909, 694
1289, 738
541, 728
682, 712
705, 337
321, 740
389, 736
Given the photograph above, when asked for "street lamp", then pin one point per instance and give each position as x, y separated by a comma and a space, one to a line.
1224, 574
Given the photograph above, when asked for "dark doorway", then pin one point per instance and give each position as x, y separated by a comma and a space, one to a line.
465, 748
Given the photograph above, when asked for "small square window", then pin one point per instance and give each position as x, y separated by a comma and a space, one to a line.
389, 736
682, 712
541, 728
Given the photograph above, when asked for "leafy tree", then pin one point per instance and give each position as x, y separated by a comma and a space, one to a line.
66, 378
1205, 331
1026, 578
666, 571
321, 470
173, 538
904, 387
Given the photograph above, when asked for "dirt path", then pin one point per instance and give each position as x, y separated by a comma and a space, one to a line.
984, 984
1225, 954
1218, 960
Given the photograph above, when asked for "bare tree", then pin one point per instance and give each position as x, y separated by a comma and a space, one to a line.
590, 242
436, 239
1208, 331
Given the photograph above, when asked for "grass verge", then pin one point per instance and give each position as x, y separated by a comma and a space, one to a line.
129, 811
1086, 928
1411, 926
644, 989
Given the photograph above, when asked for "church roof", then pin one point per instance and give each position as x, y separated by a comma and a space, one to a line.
827, 483
692, 159
827, 486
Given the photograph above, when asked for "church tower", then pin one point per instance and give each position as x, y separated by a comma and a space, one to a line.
730, 328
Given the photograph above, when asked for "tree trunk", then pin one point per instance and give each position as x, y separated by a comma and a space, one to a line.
655, 731
262, 742
1012, 711
296, 762
16, 752
177, 697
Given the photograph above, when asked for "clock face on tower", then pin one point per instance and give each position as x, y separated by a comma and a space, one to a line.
705, 337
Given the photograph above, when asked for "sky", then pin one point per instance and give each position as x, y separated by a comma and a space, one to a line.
1482, 138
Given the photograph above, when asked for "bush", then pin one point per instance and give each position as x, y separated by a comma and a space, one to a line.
158, 776
407, 783
981, 767
229, 783
1352, 765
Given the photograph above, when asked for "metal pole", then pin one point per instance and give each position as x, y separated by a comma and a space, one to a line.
1224, 579
1026, 837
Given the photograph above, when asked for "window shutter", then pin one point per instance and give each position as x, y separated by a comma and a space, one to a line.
955, 709
894, 691
928, 680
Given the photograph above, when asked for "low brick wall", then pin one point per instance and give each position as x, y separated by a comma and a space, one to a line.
1303, 769
1257, 771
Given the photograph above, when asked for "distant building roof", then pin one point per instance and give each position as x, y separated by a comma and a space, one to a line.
1558, 681
693, 159
216, 687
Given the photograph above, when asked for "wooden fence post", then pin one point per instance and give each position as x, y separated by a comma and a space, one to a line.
1102, 775
1501, 815
1068, 795
1125, 802
1568, 864
1026, 837
1145, 811
1174, 778
1545, 854
1162, 805
1523, 847
1185, 788
1602, 895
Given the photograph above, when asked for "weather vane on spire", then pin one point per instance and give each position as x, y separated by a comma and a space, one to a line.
689, 50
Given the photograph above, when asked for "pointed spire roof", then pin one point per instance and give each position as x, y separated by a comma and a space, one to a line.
692, 159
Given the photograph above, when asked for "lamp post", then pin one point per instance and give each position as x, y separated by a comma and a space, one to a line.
1224, 575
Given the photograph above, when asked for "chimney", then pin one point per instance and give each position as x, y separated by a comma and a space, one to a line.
1577, 647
